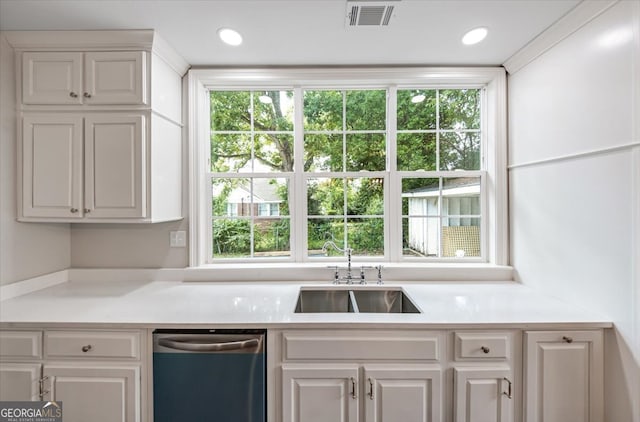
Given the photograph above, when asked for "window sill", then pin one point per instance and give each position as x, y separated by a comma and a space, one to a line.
314, 272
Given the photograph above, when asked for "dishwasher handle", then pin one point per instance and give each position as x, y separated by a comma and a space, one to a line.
193, 344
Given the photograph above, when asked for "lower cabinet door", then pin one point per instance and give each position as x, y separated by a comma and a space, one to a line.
483, 395
95, 393
19, 381
407, 393
563, 374
320, 393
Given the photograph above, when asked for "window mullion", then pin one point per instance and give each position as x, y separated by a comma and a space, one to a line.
393, 186
298, 187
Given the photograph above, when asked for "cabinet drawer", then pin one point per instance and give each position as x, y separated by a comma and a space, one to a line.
482, 346
361, 345
103, 344
20, 344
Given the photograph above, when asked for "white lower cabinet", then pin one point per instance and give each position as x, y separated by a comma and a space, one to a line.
96, 374
94, 393
483, 395
563, 372
19, 381
410, 393
320, 393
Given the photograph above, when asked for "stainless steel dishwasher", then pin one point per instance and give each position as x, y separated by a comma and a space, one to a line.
209, 375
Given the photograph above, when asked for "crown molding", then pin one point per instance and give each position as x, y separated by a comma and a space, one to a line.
575, 19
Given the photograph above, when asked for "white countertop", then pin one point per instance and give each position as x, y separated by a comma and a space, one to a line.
268, 305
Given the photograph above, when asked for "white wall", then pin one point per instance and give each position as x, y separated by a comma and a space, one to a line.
575, 184
26, 249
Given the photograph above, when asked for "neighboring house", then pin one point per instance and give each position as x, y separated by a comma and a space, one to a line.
265, 200
455, 223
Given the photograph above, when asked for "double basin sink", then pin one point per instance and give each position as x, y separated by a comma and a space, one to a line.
355, 300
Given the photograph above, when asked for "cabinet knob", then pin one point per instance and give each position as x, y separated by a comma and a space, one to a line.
74, 210
86, 348
485, 349
87, 210
567, 339
86, 95
73, 94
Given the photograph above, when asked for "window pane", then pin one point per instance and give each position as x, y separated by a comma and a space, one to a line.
323, 153
230, 153
230, 110
322, 110
416, 109
420, 237
460, 197
231, 197
460, 151
366, 110
273, 111
365, 196
231, 238
272, 195
416, 151
366, 236
420, 197
325, 196
459, 109
321, 230
272, 238
366, 152
460, 241
273, 152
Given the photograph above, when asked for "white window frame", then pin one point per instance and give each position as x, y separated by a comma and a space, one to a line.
494, 175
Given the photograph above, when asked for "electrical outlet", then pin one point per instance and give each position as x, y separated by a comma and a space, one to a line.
178, 239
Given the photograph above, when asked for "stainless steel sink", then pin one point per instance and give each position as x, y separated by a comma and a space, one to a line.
384, 301
360, 300
311, 301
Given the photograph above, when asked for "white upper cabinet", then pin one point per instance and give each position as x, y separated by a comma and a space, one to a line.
101, 133
52, 78
110, 77
52, 166
114, 182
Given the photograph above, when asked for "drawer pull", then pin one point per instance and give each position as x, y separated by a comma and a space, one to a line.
87, 95
370, 388
86, 348
353, 388
73, 95
485, 349
508, 392
567, 339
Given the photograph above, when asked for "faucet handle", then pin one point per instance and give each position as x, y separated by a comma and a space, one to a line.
362, 277
336, 273
379, 268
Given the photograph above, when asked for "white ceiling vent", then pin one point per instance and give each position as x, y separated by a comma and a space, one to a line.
370, 13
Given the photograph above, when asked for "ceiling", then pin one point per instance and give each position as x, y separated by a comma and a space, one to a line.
305, 32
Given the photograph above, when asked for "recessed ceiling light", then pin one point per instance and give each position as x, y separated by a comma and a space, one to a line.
230, 36
475, 36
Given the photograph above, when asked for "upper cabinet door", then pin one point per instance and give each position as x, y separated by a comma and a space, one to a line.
115, 164
115, 78
52, 78
52, 166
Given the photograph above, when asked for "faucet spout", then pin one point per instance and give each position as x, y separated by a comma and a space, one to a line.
347, 250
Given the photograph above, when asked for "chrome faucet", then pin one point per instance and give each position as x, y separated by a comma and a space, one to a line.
348, 251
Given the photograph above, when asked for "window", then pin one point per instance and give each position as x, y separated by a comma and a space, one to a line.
401, 167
